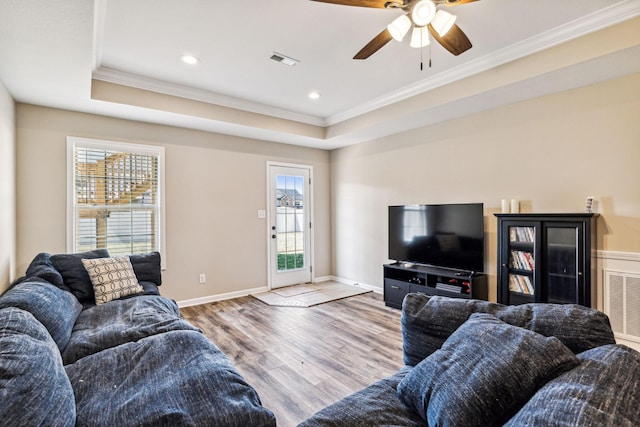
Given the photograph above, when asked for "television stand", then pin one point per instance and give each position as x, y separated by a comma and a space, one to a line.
402, 278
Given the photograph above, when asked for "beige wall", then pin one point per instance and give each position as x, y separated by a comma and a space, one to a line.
7, 189
550, 153
214, 186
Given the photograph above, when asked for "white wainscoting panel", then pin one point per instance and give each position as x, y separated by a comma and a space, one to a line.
619, 294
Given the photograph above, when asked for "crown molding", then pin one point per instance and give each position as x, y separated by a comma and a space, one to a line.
590, 23
612, 15
111, 75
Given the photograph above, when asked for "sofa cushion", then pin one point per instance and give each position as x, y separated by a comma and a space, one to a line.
149, 288
603, 390
34, 387
121, 321
177, 378
376, 405
42, 267
147, 267
428, 321
55, 309
483, 374
75, 276
112, 278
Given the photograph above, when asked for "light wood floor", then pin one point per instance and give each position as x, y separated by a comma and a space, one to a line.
302, 359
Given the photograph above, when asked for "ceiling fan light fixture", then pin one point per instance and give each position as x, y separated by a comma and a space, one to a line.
423, 12
399, 27
442, 22
420, 37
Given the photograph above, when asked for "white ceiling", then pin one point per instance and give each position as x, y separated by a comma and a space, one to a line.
51, 49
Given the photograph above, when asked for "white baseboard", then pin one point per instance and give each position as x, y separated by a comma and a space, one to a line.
244, 293
632, 344
221, 297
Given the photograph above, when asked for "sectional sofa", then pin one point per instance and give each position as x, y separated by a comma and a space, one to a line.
86, 340
476, 363
92, 343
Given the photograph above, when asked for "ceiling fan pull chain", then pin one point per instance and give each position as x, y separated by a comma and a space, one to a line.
421, 51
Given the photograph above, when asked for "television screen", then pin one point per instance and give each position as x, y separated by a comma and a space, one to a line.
447, 235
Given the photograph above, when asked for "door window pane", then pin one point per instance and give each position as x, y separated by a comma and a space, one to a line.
290, 222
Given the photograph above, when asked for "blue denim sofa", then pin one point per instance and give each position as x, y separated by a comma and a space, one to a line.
65, 361
476, 363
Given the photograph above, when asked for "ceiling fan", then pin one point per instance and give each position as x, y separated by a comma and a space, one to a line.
425, 18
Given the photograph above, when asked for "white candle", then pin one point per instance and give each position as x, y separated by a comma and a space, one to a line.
505, 206
515, 206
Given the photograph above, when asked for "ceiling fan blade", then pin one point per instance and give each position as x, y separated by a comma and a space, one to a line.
455, 41
457, 2
374, 45
361, 3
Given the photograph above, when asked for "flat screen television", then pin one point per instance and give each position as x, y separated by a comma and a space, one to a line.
446, 235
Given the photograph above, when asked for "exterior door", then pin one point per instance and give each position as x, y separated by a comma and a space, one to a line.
289, 225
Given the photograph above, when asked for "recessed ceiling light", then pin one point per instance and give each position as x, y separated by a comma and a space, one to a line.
189, 59
314, 95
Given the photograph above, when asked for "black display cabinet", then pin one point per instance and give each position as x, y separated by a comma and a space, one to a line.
546, 258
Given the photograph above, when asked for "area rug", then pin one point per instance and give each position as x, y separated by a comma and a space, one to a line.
320, 294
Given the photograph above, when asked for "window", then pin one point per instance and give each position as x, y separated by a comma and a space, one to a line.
115, 197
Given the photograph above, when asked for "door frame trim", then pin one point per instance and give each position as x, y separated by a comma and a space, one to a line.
269, 215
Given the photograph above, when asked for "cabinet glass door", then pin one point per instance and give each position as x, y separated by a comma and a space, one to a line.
563, 267
521, 264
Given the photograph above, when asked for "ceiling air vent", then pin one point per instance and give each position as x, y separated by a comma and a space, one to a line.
278, 57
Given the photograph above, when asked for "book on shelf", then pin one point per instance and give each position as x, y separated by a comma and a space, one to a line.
522, 260
520, 284
522, 234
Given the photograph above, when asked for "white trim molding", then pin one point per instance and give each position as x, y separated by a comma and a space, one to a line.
247, 292
621, 256
123, 78
221, 297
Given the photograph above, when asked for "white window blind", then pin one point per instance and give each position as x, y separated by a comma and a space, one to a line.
115, 196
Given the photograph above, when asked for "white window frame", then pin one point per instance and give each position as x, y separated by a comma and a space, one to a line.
159, 151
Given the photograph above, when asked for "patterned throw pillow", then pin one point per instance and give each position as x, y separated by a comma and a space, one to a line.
112, 278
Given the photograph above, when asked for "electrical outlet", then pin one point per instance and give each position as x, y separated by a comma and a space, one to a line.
203, 279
